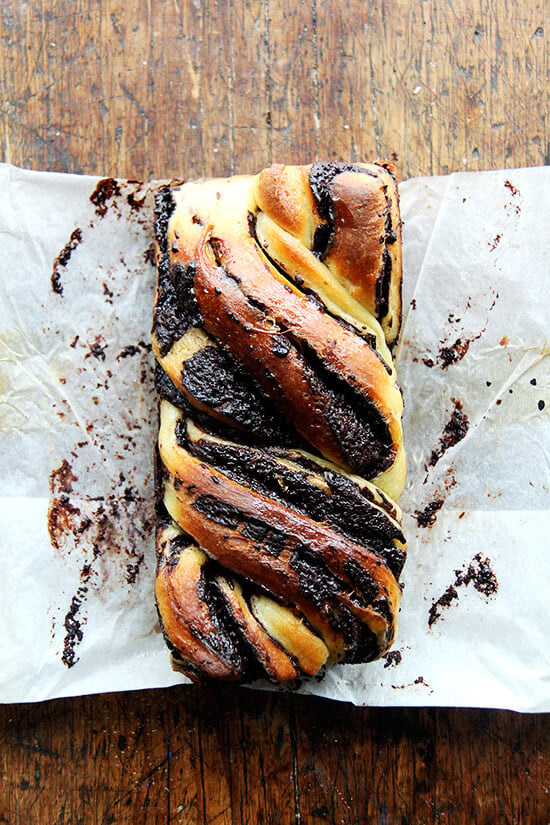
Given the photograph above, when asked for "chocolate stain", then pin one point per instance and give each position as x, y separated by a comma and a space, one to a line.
455, 430
62, 479
479, 573
63, 259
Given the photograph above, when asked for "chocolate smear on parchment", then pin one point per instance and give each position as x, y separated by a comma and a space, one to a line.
63, 259
454, 431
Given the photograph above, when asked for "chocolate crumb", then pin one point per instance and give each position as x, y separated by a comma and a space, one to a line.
427, 517
541, 405
479, 573
533, 382
97, 349
444, 601
132, 349
135, 203
73, 627
106, 189
456, 352
513, 189
392, 658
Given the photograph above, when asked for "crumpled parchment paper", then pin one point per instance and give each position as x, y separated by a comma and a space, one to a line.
78, 420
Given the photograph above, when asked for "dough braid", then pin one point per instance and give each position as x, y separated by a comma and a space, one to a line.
280, 451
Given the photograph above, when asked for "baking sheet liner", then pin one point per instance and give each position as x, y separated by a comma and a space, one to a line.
78, 420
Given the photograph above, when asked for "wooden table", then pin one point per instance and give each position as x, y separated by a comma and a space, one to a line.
188, 88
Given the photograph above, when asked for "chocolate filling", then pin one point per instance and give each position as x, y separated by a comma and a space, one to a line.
346, 509
357, 424
217, 380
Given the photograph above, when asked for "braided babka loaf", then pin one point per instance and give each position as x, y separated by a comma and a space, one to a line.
280, 453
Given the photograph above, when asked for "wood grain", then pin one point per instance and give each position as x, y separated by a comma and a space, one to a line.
209, 88
233, 756
186, 88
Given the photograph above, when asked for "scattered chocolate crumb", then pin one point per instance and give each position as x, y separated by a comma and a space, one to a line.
132, 349
541, 405
513, 189
392, 658
498, 402
413, 303
504, 341
455, 430
478, 572
533, 382
132, 570
106, 189
488, 383
453, 353
108, 293
74, 342
97, 349
73, 627
134, 202
456, 352
63, 259
495, 242
427, 517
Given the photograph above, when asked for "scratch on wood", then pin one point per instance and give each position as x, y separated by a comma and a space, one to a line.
201, 766
373, 87
230, 78
268, 83
315, 78
132, 99
168, 789
295, 776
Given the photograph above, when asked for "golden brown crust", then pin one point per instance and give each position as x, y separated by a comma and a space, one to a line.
277, 298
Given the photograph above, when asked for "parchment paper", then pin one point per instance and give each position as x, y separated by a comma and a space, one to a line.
78, 420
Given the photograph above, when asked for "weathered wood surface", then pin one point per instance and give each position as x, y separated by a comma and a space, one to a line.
189, 88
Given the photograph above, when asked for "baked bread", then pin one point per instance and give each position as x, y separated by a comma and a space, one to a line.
280, 453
